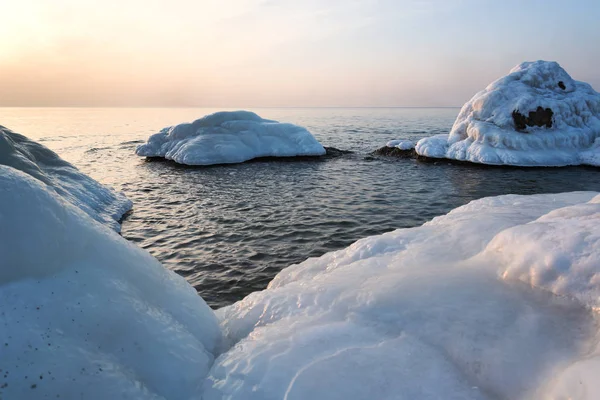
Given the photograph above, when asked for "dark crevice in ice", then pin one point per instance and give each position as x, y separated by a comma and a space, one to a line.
540, 117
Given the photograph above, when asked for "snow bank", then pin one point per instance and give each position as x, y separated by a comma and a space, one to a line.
85, 314
230, 137
444, 310
537, 115
401, 144
98, 201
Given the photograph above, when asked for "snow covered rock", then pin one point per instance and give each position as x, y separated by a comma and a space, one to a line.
397, 148
401, 144
97, 200
445, 310
230, 137
537, 115
86, 314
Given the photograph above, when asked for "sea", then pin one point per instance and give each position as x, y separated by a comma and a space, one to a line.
230, 229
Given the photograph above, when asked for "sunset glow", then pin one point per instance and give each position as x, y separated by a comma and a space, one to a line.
280, 52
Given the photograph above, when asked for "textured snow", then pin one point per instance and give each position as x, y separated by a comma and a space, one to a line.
463, 307
401, 144
484, 131
85, 314
230, 137
97, 200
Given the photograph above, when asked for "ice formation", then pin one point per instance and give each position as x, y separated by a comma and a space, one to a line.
537, 115
463, 307
401, 144
98, 201
86, 314
230, 137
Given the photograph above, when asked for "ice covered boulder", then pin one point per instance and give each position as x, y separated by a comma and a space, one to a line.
396, 148
537, 115
401, 144
463, 307
230, 137
34, 159
84, 314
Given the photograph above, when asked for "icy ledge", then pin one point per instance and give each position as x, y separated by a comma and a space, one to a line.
463, 307
98, 201
537, 115
230, 137
85, 314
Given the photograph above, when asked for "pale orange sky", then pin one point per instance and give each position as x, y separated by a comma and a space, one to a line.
255, 53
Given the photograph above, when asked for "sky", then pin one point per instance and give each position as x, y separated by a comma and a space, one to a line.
283, 53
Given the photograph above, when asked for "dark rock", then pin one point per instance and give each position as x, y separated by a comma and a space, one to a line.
561, 85
330, 152
333, 152
394, 152
539, 117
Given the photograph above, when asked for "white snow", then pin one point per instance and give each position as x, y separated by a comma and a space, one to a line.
445, 310
97, 200
401, 144
484, 131
434, 146
230, 137
86, 314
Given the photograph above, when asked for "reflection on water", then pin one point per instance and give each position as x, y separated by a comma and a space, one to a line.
229, 229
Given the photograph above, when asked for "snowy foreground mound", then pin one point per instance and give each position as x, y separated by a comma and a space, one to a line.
98, 201
463, 307
230, 137
537, 115
445, 310
86, 315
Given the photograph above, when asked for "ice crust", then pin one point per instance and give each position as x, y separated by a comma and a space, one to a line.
230, 137
86, 314
98, 201
485, 131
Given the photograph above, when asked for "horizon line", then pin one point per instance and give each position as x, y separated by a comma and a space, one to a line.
239, 108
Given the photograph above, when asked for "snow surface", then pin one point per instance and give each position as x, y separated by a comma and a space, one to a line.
485, 132
86, 314
97, 200
445, 310
401, 144
230, 137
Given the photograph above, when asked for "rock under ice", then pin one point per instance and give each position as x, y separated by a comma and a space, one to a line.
97, 200
230, 137
537, 115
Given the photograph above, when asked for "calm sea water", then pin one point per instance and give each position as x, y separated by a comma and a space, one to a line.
230, 229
